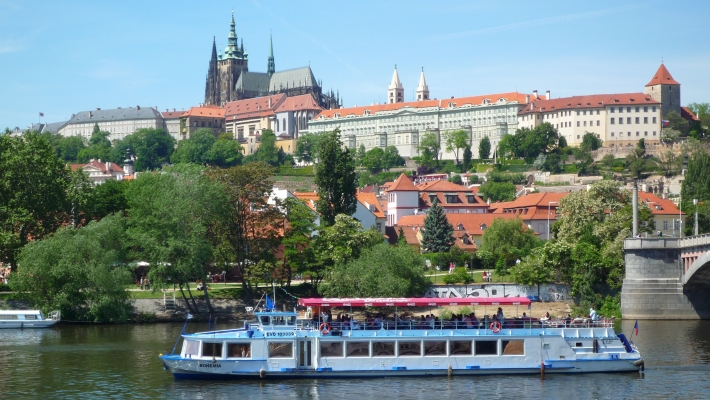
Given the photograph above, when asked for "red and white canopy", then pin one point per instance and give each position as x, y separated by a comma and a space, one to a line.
415, 302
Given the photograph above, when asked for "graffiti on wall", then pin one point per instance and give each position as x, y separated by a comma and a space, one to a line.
546, 292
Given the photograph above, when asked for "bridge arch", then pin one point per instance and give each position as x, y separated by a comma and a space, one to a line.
699, 271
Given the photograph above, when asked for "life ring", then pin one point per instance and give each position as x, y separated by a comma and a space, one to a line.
324, 328
495, 326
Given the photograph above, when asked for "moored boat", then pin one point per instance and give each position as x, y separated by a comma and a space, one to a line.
279, 345
27, 319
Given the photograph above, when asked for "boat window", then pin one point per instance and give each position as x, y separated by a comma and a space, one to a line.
358, 349
410, 349
460, 348
513, 347
486, 347
211, 349
292, 320
435, 348
265, 320
31, 316
280, 350
192, 348
278, 321
331, 349
383, 349
239, 350
6, 316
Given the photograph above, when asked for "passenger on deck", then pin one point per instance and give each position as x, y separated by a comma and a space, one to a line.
593, 315
568, 320
474, 320
501, 317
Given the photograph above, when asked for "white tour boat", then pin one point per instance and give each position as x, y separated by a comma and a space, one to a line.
282, 346
27, 319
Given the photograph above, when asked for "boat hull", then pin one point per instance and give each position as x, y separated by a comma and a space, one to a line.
29, 324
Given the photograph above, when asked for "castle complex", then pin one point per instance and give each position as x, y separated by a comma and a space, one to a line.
229, 78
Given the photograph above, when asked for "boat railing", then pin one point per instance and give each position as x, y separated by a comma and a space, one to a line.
508, 323
55, 315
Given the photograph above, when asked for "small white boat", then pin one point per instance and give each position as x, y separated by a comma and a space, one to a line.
27, 319
282, 346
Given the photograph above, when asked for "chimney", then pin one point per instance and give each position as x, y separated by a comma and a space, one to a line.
547, 95
138, 107
527, 98
90, 114
98, 109
269, 102
535, 93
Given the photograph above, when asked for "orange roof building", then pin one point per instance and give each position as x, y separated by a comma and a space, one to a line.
537, 210
368, 211
402, 123
664, 89
195, 118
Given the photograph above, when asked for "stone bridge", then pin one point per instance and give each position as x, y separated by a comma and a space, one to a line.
667, 278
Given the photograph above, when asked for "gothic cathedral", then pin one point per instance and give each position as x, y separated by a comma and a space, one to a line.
229, 78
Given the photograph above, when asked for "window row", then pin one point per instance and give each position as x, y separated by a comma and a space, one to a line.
645, 133
628, 109
637, 120
418, 348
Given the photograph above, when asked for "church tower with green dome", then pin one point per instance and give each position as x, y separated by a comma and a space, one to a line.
229, 66
271, 68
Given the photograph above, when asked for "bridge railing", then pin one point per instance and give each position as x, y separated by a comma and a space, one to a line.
692, 241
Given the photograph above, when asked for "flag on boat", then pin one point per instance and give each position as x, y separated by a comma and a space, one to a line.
636, 328
190, 316
269, 303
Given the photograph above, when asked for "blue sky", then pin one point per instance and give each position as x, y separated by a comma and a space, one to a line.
62, 57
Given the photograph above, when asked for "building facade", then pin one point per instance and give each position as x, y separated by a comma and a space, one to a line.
171, 120
617, 119
118, 122
402, 124
195, 118
229, 79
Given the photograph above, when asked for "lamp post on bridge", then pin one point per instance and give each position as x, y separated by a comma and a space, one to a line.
695, 203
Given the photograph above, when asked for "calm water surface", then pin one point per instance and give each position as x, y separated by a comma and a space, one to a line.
121, 362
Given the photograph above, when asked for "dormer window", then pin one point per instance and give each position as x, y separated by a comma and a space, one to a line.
470, 198
336, 115
367, 112
466, 240
659, 207
483, 227
459, 227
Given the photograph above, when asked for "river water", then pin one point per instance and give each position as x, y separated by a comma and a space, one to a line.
121, 361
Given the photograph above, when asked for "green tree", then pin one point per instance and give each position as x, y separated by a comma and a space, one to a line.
267, 151
508, 146
670, 163
152, 148
33, 193
171, 216
669, 135
583, 159
699, 109
467, 157
590, 142
360, 155
438, 233
374, 160
608, 160
391, 158
68, 148
196, 148
509, 240
429, 147
561, 142
298, 229
696, 184
224, 153
497, 191
246, 236
460, 275
79, 193
635, 160
307, 147
455, 141
108, 198
380, 271
484, 148
335, 178
677, 123
456, 179
99, 147
80, 272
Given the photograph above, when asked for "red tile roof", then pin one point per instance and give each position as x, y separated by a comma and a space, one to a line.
589, 101
205, 111
255, 107
533, 206
686, 113
296, 103
658, 205
472, 224
402, 184
662, 77
370, 199
309, 198
172, 114
113, 167
443, 103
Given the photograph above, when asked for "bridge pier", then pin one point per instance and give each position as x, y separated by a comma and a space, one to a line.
654, 284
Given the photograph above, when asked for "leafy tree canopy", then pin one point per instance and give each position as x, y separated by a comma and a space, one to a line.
509, 240
484, 148
437, 236
335, 178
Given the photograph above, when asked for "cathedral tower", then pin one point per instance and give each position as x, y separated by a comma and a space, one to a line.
422, 89
395, 92
212, 81
229, 66
664, 89
271, 68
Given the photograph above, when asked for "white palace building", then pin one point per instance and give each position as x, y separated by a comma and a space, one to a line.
401, 124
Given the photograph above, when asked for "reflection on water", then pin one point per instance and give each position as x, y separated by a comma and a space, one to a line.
120, 361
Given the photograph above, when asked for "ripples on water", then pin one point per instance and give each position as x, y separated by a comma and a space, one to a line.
121, 362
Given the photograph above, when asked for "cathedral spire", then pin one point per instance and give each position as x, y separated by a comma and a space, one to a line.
271, 68
395, 92
422, 89
211, 83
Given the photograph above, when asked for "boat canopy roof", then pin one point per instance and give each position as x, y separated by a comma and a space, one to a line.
414, 302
